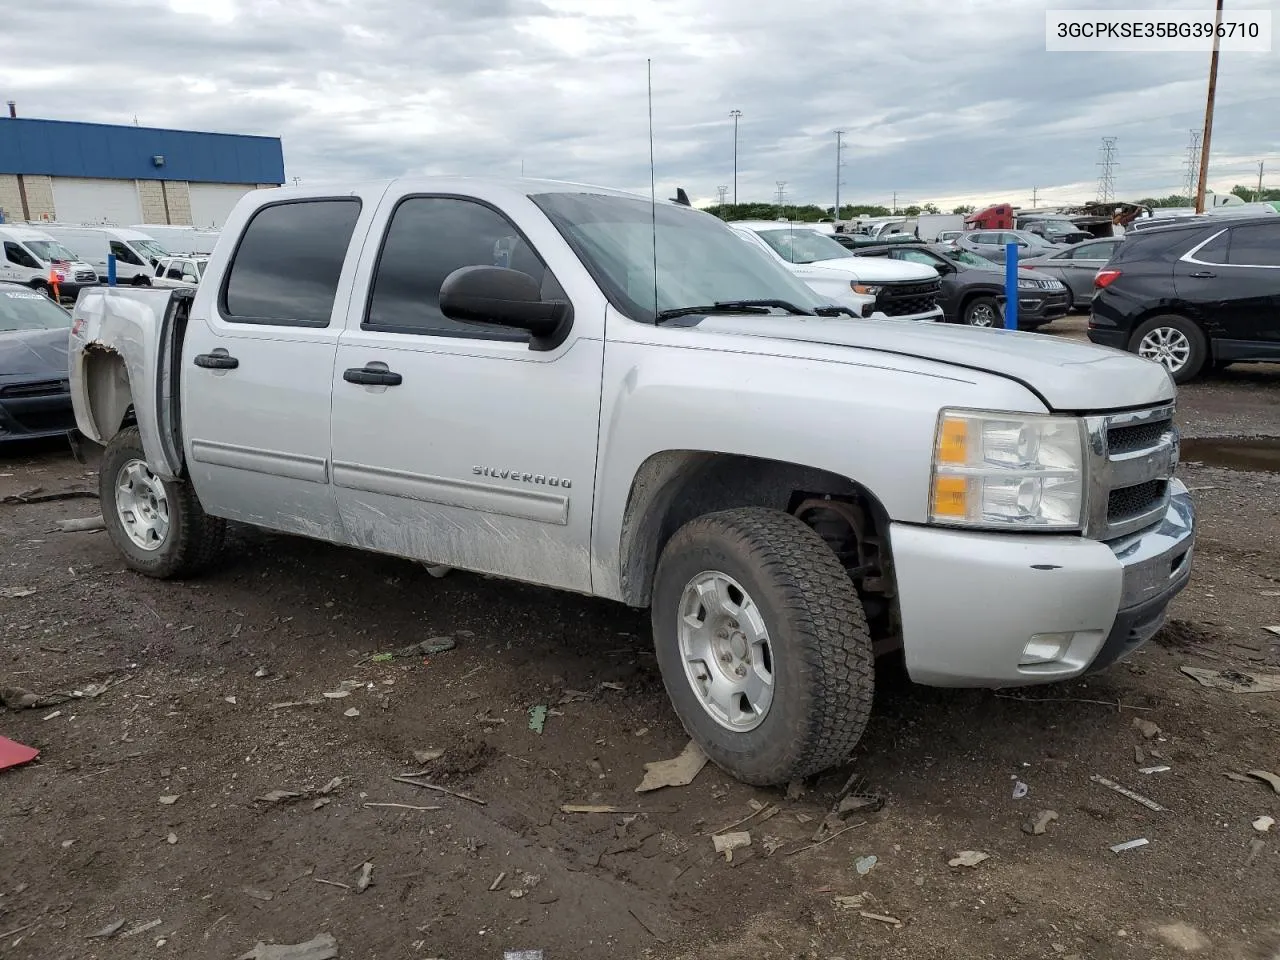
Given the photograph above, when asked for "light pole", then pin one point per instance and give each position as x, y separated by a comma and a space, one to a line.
737, 115
839, 148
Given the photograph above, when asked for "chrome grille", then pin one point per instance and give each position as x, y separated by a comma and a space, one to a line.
86, 276
1132, 457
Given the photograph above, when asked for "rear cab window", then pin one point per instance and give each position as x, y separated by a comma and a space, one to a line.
288, 261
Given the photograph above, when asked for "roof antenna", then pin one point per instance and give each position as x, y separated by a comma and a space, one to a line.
653, 195
681, 198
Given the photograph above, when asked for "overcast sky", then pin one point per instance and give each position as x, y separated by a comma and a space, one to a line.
942, 100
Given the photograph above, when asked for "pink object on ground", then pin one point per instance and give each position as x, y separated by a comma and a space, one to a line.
15, 754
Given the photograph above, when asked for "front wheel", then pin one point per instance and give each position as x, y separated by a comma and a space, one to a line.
157, 525
763, 645
140, 280
982, 312
1173, 342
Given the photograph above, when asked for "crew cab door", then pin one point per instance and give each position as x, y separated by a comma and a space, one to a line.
474, 450
258, 361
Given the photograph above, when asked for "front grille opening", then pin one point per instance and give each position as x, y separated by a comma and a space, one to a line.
907, 299
1129, 502
1139, 436
40, 388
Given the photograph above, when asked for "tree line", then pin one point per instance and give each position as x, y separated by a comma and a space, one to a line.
812, 213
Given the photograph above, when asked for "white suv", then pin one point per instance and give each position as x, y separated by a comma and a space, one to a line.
877, 289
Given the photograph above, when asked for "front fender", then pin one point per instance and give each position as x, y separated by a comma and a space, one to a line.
862, 415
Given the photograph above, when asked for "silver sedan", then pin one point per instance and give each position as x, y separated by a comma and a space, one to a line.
1075, 266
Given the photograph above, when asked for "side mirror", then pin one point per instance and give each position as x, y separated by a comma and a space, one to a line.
943, 267
506, 297
188, 278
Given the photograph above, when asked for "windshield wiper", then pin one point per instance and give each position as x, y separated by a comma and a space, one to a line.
734, 306
835, 311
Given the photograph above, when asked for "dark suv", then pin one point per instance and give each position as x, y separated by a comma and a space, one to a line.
1193, 293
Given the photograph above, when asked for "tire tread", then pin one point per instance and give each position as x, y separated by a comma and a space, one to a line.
827, 623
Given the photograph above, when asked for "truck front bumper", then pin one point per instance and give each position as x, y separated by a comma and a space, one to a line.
1003, 610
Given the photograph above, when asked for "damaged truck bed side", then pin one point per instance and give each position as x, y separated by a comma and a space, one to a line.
510, 377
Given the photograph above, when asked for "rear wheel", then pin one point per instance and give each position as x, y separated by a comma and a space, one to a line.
158, 525
1174, 342
140, 280
982, 312
763, 645
42, 286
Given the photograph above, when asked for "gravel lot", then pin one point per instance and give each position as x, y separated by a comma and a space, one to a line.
89, 837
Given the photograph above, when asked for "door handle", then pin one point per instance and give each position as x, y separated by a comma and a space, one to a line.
372, 377
1203, 275
218, 360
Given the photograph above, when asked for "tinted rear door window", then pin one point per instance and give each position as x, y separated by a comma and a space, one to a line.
1255, 245
286, 267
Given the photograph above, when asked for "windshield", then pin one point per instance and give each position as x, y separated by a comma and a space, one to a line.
48, 250
28, 310
699, 259
149, 248
802, 246
972, 259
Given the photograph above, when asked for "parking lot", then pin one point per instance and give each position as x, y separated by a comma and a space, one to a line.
153, 800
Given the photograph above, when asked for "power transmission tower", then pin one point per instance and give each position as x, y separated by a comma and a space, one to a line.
782, 197
723, 190
895, 203
1193, 165
839, 164
1107, 178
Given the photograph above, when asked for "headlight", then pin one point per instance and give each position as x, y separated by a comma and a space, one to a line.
866, 289
1007, 471
1028, 285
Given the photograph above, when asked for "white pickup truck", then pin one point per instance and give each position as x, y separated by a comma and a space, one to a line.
570, 386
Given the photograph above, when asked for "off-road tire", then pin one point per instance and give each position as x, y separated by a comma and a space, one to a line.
194, 540
823, 667
1199, 352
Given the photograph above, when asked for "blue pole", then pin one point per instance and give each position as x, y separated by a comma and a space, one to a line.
1011, 286
111, 269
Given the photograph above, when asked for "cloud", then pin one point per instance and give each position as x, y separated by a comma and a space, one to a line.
939, 99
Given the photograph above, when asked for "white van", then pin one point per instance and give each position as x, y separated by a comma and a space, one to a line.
33, 257
136, 252
180, 241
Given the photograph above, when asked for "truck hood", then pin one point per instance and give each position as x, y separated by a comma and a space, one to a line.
873, 269
1066, 375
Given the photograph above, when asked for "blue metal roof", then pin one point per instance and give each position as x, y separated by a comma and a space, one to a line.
64, 149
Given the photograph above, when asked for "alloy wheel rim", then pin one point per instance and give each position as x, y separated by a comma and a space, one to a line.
982, 316
726, 651
142, 505
1167, 346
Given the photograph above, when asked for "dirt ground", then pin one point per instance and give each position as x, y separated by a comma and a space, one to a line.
218, 698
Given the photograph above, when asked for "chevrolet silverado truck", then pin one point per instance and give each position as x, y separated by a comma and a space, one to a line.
583, 389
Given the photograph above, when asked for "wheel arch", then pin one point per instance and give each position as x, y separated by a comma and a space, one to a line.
675, 486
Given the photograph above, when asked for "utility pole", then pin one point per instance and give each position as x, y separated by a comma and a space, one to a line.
839, 164
737, 115
782, 197
722, 190
1035, 197
1261, 165
1208, 113
1193, 166
895, 203
1108, 163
